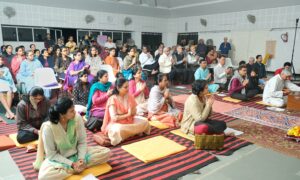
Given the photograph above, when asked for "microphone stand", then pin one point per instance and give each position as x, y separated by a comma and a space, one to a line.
292, 60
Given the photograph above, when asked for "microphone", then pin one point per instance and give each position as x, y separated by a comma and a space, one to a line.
297, 20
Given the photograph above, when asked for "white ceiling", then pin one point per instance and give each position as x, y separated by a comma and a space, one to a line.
163, 8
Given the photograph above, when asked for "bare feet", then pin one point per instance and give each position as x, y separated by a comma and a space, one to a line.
10, 115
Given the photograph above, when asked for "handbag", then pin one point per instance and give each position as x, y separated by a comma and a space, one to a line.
94, 124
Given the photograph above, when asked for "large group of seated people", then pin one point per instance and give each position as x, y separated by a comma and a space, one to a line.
122, 109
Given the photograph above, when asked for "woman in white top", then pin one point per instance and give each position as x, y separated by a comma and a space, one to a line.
63, 143
94, 60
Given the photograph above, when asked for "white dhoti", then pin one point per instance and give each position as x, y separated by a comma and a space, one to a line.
53, 170
278, 102
119, 132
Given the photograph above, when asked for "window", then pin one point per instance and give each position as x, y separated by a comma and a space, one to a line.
108, 34
94, 34
152, 40
126, 36
117, 36
81, 35
9, 34
187, 38
39, 34
25, 34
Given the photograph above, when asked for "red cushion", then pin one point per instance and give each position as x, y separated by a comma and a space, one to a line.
201, 129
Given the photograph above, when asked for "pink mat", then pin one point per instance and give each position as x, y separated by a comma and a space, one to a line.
180, 98
222, 107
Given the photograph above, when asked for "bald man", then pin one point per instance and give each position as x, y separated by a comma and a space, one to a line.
277, 89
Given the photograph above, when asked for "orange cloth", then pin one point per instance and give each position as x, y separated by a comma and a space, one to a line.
165, 117
114, 64
6, 143
120, 108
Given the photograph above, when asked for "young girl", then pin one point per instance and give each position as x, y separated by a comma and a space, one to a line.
81, 89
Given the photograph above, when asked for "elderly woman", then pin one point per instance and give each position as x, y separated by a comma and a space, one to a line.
32, 111
27, 69
7, 88
197, 108
63, 143
120, 122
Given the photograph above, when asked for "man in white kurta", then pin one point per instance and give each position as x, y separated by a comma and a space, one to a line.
277, 88
165, 61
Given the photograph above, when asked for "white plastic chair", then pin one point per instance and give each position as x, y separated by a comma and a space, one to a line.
228, 63
120, 62
45, 78
109, 69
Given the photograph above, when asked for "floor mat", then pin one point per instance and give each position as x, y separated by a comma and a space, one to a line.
264, 117
125, 166
267, 137
153, 149
221, 107
6, 129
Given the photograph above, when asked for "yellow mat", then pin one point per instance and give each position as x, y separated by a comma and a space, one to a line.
158, 124
153, 149
265, 104
231, 99
180, 133
155, 123
14, 138
94, 170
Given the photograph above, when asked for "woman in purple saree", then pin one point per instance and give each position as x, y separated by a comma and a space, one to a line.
74, 69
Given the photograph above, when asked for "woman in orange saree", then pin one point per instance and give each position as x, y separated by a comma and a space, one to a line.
119, 121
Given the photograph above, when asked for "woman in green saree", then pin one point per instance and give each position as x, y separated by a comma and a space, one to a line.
63, 143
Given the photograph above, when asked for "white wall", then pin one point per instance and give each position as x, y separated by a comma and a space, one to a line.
247, 39
32, 15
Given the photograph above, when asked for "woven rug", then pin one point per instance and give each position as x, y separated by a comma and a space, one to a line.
126, 166
267, 137
264, 117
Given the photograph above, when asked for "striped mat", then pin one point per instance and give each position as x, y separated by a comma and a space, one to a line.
126, 166
6, 129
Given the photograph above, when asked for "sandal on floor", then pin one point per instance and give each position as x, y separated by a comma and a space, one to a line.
31, 148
